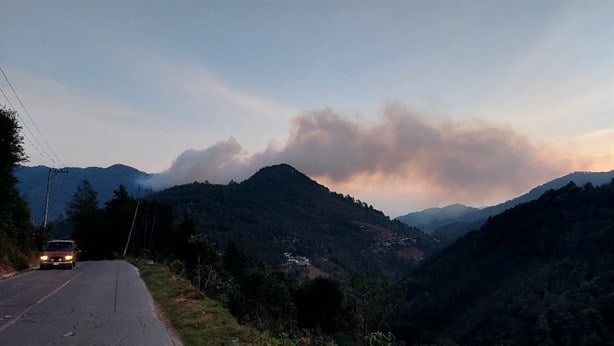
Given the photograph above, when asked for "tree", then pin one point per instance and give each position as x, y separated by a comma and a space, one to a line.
264, 299
205, 258
84, 202
319, 304
11, 153
118, 214
11, 149
375, 299
16, 238
120, 198
234, 260
156, 232
83, 210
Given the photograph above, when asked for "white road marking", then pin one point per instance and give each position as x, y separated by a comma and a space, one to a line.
35, 304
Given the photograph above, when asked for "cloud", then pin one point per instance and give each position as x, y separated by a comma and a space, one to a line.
195, 83
400, 148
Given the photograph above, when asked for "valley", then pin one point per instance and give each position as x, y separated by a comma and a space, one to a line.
536, 265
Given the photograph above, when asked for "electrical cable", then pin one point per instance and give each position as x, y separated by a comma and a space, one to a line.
36, 145
54, 157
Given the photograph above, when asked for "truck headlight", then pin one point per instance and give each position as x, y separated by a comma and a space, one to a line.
44, 258
68, 257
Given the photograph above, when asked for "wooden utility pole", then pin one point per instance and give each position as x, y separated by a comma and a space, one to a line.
52, 173
131, 228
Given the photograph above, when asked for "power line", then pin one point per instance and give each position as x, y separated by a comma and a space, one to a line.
7, 99
32, 138
53, 156
36, 144
52, 172
57, 188
28, 114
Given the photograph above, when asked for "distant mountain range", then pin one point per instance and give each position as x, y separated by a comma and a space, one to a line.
456, 220
448, 223
33, 185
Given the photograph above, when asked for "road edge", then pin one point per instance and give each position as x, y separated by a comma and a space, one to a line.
10, 274
159, 312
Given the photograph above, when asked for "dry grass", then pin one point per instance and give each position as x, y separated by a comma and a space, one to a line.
197, 319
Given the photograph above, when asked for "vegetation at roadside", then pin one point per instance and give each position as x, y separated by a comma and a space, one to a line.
197, 319
268, 319
18, 237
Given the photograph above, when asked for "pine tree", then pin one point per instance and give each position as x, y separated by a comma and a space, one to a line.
83, 211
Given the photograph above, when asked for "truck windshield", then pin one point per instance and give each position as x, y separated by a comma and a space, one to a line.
58, 246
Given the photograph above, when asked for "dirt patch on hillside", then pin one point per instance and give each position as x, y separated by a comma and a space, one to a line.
411, 252
315, 272
381, 232
309, 271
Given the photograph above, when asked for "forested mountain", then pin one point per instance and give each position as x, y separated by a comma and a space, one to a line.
455, 220
539, 273
286, 219
32, 183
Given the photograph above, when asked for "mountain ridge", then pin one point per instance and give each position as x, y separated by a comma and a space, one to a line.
281, 212
451, 228
32, 183
431, 218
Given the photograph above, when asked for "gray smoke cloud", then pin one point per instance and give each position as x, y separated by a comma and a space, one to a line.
401, 145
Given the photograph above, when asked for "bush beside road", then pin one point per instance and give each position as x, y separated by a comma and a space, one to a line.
197, 319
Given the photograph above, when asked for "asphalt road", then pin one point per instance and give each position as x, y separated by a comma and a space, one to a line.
96, 303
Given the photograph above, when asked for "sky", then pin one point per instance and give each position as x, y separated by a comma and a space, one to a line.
402, 104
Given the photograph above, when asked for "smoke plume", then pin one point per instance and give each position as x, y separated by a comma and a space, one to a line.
400, 147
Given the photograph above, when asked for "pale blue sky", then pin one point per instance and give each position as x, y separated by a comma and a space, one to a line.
140, 82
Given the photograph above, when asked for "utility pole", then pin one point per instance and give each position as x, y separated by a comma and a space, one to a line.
131, 227
52, 173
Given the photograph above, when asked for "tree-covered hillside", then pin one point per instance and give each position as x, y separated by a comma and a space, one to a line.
539, 273
282, 217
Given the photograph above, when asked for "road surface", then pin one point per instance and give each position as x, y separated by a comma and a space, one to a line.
96, 303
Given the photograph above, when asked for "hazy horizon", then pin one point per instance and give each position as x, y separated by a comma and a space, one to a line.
399, 211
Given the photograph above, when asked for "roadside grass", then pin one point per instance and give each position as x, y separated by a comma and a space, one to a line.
197, 319
14, 259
